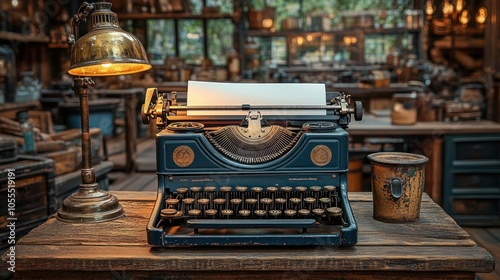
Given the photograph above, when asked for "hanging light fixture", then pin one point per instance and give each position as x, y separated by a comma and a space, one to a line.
106, 50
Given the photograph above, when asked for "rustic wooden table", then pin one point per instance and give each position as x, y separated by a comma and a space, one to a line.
434, 247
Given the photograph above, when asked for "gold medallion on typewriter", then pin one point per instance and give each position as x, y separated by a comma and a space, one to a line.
183, 156
321, 155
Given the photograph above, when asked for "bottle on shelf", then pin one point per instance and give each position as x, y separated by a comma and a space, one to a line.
29, 147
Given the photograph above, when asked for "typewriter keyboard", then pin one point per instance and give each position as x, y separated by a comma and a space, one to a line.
315, 203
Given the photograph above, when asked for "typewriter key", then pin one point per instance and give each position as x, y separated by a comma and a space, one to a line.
211, 212
318, 212
275, 213
300, 188
195, 189
227, 212
182, 190
257, 189
290, 212
226, 189
325, 200
280, 200
188, 200
203, 201
330, 188
334, 211
194, 212
260, 212
266, 201
241, 188
236, 201
172, 201
309, 200
272, 189
315, 188
251, 201
295, 200
244, 213
168, 213
286, 189
210, 189
219, 201
304, 212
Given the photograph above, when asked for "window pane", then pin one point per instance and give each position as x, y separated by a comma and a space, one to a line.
161, 40
220, 40
191, 41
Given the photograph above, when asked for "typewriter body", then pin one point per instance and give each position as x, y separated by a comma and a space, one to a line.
251, 179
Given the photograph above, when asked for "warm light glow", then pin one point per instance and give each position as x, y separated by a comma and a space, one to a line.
481, 15
464, 17
354, 40
109, 69
300, 40
430, 9
267, 23
309, 38
347, 40
447, 8
460, 5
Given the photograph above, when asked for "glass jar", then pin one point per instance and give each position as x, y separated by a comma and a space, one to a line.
404, 108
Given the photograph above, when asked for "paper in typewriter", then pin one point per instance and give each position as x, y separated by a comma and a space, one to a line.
236, 94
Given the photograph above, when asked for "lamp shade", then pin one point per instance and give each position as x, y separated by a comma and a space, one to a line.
107, 50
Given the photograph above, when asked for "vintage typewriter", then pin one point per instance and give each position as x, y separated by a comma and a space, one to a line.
250, 179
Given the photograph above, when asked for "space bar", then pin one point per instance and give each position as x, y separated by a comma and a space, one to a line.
250, 223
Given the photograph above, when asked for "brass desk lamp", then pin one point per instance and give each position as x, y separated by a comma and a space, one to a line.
106, 50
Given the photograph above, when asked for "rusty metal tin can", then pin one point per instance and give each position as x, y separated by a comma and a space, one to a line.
397, 181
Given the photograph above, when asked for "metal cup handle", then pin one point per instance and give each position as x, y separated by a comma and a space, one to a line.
396, 187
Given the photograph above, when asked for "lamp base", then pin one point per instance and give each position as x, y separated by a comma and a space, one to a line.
90, 205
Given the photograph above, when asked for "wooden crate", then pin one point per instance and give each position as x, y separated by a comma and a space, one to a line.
66, 161
34, 182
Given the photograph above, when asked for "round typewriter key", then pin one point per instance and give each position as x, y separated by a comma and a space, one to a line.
334, 211
304, 212
210, 189
236, 201
219, 201
241, 188
227, 212
325, 200
266, 200
188, 200
286, 189
275, 213
182, 190
260, 212
226, 189
195, 189
280, 200
272, 189
168, 212
330, 188
172, 201
315, 188
203, 201
300, 188
318, 212
194, 212
309, 200
244, 213
251, 201
211, 212
290, 212
295, 200
257, 189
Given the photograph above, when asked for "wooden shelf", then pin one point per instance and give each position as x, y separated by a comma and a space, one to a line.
173, 16
369, 31
17, 37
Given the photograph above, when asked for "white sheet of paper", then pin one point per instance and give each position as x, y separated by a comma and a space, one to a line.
236, 94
